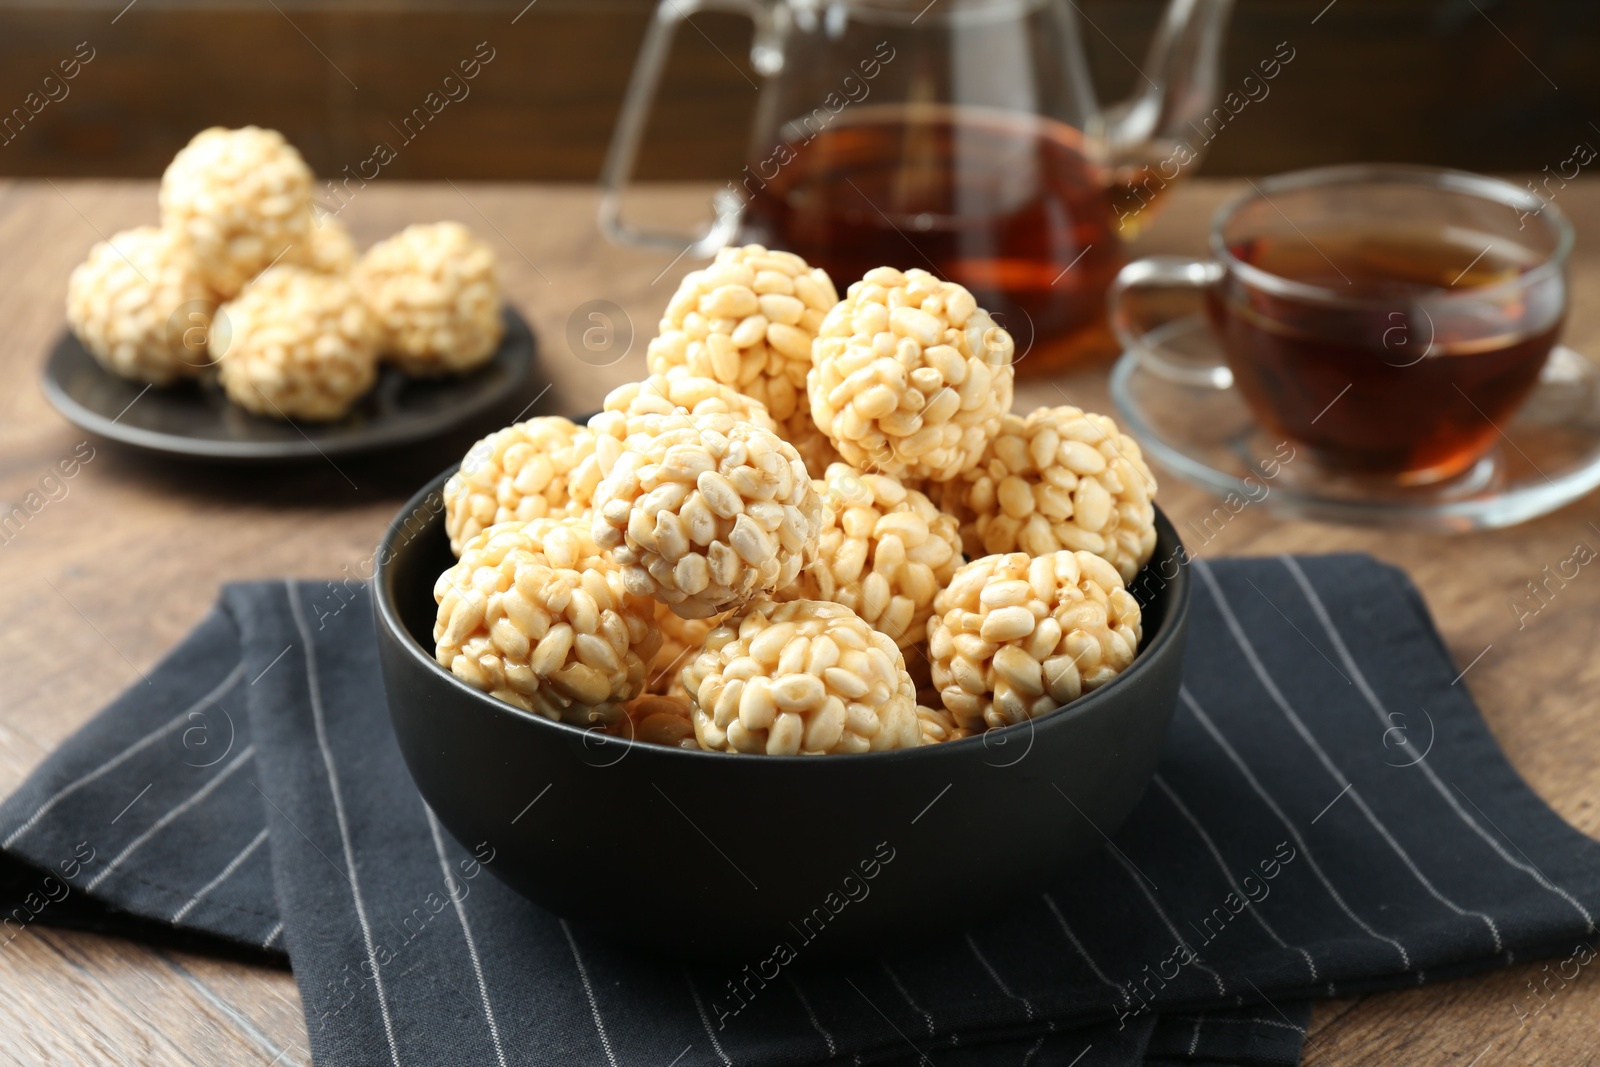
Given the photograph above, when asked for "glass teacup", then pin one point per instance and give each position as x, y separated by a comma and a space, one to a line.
1388, 319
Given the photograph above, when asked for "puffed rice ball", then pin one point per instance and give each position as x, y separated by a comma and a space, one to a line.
936, 723
660, 720
1058, 478
747, 320
706, 512
535, 614
296, 345
1018, 636
239, 199
884, 551
628, 408
436, 291
801, 677
681, 642
120, 303
910, 376
544, 467
330, 249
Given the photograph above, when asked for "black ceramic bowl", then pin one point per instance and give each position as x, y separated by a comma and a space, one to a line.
709, 854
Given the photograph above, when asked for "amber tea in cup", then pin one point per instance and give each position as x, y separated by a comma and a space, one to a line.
1389, 320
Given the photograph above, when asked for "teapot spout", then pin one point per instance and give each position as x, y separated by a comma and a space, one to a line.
1179, 87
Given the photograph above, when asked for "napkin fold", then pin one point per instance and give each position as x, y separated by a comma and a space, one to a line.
1330, 816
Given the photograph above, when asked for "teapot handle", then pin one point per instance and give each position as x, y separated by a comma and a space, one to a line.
1181, 75
629, 131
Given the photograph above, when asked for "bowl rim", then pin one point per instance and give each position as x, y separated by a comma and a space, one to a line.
388, 619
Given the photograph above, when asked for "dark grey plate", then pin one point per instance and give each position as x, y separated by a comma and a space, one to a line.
194, 419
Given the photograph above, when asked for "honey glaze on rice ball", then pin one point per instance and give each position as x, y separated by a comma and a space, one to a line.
705, 512
747, 320
296, 344
1018, 636
1058, 478
544, 467
909, 376
681, 641
627, 408
435, 290
884, 551
659, 720
803, 677
936, 722
537, 616
122, 300
240, 200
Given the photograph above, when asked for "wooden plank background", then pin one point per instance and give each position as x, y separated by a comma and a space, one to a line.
1481, 84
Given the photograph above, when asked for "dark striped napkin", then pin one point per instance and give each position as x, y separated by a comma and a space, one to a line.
1331, 816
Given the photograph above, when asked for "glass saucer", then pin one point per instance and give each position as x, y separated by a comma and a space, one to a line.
1177, 398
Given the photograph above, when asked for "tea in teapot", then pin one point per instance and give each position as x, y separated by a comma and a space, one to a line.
961, 136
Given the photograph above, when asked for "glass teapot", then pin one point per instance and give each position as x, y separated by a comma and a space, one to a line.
960, 136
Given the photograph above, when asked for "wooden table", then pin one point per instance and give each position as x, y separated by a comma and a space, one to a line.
104, 580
